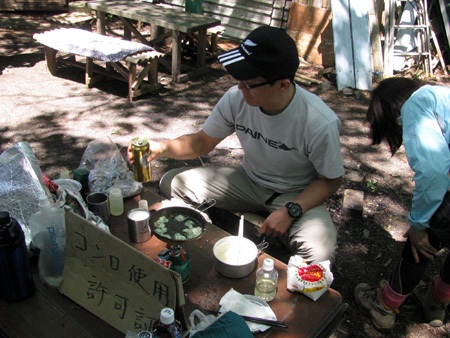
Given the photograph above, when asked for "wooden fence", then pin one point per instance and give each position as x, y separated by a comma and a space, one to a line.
33, 5
240, 17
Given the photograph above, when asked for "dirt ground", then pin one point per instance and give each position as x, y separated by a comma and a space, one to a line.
58, 116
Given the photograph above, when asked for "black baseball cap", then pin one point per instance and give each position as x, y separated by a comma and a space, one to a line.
267, 51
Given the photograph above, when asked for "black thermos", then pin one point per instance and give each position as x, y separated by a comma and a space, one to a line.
16, 280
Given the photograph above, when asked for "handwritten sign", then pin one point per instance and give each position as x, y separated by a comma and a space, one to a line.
116, 282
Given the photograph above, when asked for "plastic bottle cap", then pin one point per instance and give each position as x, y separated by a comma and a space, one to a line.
115, 192
167, 316
143, 204
44, 202
268, 264
5, 219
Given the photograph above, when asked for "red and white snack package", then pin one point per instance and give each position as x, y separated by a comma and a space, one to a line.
311, 280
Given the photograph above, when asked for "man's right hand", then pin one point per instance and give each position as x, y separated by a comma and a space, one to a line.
420, 243
130, 152
154, 149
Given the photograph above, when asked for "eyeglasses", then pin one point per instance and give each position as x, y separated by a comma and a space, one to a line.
255, 85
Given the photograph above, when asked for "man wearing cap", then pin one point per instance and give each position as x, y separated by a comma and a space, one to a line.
292, 156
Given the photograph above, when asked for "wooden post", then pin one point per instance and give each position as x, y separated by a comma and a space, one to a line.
201, 48
375, 39
101, 22
176, 55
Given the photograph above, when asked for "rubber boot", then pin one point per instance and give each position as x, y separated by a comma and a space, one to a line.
433, 307
371, 300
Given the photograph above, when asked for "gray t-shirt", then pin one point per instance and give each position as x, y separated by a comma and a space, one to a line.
285, 152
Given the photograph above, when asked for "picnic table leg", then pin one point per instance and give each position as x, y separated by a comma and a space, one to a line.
153, 73
89, 72
201, 48
101, 22
131, 80
176, 55
50, 57
214, 42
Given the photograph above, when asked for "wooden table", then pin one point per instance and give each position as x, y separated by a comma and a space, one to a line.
162, 16
49, 314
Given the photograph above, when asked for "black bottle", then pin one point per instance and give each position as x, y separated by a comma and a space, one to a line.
167, 326
16, 280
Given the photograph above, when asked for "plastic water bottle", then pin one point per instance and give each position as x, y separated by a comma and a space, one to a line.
115, 202
167, 326
266, 281
48, 234
16, 280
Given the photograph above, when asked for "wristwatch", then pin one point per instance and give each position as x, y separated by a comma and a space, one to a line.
294, 209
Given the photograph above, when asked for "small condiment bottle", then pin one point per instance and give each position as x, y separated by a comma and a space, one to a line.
115, 202
266, 281
167, 326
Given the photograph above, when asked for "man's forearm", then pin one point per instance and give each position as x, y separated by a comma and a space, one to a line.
317, 192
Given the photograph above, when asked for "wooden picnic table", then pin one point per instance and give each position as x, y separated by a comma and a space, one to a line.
49, 314
173, 19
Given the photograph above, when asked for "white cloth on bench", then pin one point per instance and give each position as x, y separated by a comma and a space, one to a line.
89, 44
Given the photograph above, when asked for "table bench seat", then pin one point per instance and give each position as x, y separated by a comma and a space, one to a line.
103, 57
72, 19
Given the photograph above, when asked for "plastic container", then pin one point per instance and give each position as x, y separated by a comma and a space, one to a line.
48, 234
266, 281
141, 334
115, 202
143, 204
167, 326
16, 280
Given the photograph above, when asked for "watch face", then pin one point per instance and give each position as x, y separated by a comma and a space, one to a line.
294, 210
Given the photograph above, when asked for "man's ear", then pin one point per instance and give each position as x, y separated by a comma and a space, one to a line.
285, 83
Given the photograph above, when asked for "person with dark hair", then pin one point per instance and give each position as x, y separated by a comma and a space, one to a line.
405, 111
291, 142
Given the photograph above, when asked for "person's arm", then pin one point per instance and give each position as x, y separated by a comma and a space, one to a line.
185, 147
428, 156
317, 192
279, 221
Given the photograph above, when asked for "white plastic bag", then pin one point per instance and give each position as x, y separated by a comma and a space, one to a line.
312, 280
203, 321
107, 168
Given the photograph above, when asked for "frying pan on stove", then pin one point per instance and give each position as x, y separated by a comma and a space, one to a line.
178, 224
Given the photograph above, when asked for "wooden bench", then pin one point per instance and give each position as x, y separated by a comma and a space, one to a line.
139, 68
72, 19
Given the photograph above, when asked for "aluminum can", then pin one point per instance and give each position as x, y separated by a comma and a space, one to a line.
142, 170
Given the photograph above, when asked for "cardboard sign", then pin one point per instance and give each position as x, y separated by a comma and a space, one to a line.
113, 280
